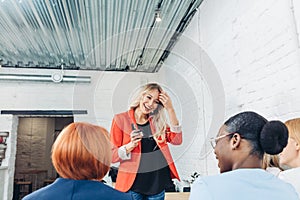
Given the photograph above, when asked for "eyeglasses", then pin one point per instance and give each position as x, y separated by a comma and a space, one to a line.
213, 141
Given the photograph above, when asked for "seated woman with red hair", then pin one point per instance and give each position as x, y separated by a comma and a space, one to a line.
81, 155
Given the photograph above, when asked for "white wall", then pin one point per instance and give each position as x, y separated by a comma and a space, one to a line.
199, 89
254, 48
8, 123
106, 95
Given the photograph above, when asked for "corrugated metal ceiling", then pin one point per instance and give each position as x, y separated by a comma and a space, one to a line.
114, 35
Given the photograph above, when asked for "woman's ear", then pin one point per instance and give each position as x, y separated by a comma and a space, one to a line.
235, 141
297, 145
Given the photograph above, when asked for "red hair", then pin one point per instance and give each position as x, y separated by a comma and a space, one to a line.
82, 151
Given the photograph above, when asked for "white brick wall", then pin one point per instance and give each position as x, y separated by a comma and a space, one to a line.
254, 47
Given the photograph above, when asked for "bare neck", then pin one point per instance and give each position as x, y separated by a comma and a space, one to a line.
247, 161
140, 117
295, 162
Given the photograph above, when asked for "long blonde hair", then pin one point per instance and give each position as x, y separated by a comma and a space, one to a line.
159, 116
271, 161
293, 126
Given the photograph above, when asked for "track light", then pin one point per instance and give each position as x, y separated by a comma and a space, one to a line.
157, 16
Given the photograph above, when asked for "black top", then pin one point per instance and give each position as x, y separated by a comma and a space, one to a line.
153, 175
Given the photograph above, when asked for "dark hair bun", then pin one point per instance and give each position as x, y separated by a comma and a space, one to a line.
274, 137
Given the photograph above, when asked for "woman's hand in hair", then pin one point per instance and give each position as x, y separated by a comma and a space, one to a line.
165, 99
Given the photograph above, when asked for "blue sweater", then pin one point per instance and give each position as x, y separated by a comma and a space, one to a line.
245, 184
68, 189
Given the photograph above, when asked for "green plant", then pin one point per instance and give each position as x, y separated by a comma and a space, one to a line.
194, 176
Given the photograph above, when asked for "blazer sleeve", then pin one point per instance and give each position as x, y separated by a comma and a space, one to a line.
116, 138
172, 137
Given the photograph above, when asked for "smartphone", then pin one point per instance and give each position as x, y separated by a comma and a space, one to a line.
136, 133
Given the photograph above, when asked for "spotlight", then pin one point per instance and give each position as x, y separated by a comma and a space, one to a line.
157, 16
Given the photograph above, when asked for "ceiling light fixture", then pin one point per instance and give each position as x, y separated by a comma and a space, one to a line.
58, 76
157, 16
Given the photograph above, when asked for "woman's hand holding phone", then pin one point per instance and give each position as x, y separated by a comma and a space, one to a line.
135, 136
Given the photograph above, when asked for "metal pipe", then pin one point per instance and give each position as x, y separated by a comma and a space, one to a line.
44, 78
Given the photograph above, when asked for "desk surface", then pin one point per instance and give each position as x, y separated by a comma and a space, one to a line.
177, 195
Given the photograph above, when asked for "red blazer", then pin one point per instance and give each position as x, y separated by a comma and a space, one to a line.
120, 135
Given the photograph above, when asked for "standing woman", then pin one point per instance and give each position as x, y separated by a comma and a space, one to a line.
290, 155
139, 137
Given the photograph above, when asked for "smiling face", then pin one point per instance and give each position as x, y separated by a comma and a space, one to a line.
149, 101
223, 151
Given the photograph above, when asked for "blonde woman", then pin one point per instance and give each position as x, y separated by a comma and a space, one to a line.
140, 138
290, 155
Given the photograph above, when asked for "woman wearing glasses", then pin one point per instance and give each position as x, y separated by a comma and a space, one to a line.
140, 138
290, 155
239, 148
